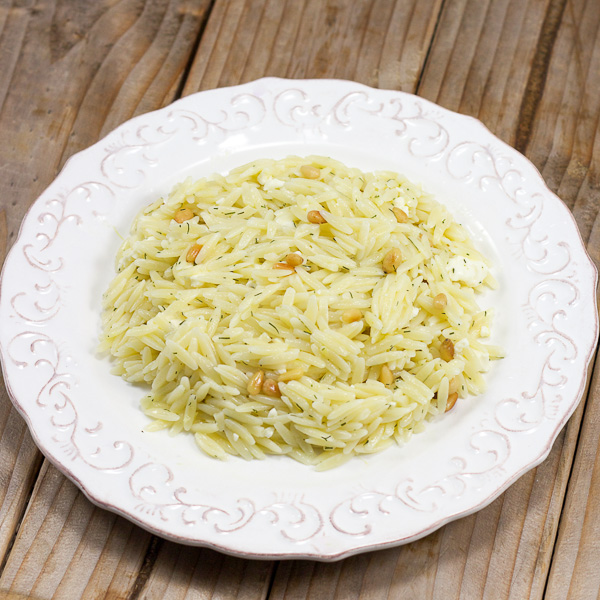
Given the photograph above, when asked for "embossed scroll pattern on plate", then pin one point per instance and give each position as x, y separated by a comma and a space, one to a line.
554, 294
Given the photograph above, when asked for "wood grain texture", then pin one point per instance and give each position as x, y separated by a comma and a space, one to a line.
482, 57
183, 573
69, 71
574, 572
377, 42
567, 154
68, 548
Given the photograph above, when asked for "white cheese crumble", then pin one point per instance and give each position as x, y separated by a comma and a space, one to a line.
270, 183
471, 272
461, 345
403, 204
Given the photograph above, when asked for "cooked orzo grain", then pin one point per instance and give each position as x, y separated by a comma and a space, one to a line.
298, 307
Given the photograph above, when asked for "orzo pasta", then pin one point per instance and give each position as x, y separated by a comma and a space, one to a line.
298, 307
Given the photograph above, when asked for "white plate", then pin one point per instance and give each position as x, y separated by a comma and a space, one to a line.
88, 422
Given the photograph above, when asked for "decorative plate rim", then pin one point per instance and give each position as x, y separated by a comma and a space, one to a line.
337, 107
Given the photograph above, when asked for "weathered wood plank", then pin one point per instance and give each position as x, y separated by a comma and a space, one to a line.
70, 71
480, 63
574, 571
567, 154
519, 529
181, 572
68, 548
377, 42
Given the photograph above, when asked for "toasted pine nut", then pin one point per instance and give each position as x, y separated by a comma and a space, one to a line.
391, 261
400, 215
310, 172
315, 216
440, 301
193, 252
294, 260
256, 382
270, 388
291, 374
447, 350
351, 315
452, 398
453, 385
386, 376
183, 214
283, 266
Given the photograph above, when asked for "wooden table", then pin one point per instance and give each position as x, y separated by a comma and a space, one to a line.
529, 69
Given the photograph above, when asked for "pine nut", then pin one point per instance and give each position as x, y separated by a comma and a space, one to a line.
447, 350
452, 398
256, 382
391, 261
400, 215
183, 214
310, 172
386, 376
440, 301
315, 216
193, 252
351, 315
270, 388
294, 260
283, 266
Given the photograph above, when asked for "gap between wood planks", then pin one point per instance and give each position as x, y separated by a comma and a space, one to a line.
272, 579
35, 473
584, 400
431, 44
147, 565
194, 51
539, 70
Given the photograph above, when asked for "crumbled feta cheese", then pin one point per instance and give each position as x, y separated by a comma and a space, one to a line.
471, 272
484, 331
402, 204
461, 345
270, 183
